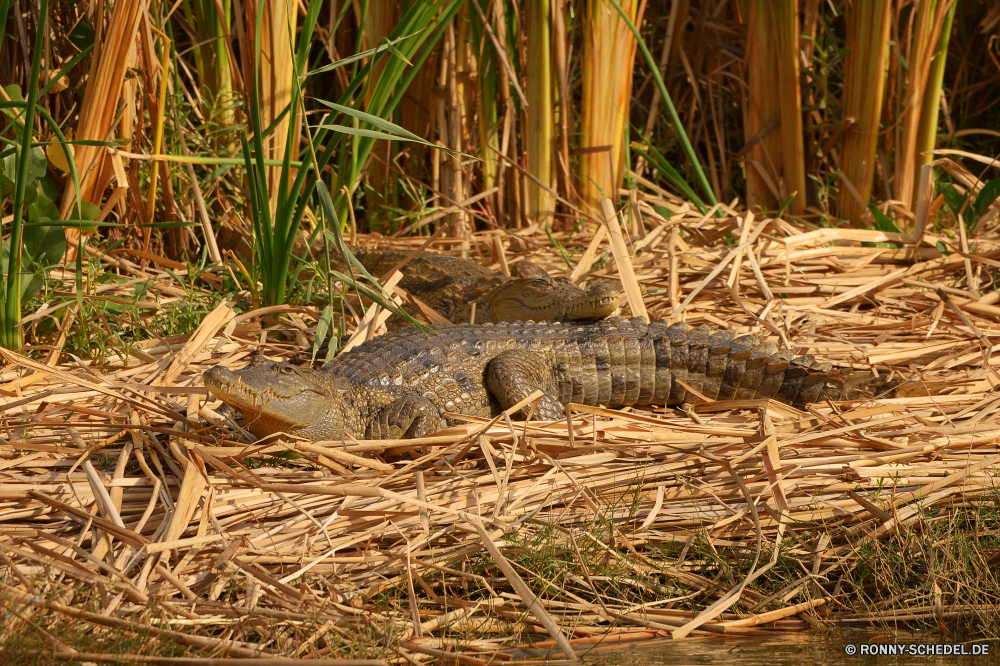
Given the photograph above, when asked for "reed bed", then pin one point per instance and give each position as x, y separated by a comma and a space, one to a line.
131, 505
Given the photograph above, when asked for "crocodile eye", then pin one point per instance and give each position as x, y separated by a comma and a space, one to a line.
287, 370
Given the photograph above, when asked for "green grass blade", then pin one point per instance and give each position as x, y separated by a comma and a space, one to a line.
10, 328
674, 118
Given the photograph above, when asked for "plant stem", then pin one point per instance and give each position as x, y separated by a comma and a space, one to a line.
10, 331
674, 118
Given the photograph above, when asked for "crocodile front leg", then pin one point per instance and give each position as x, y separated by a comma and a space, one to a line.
515, 374
406, 417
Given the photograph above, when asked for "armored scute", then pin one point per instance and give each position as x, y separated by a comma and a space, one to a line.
402, 384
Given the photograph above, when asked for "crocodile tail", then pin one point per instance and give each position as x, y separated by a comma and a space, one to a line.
806, 382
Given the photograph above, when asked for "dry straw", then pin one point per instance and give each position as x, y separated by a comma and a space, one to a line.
121, 484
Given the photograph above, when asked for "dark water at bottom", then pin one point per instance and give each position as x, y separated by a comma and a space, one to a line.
794, 649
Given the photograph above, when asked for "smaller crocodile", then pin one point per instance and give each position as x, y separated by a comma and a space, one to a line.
452, 285
403, 384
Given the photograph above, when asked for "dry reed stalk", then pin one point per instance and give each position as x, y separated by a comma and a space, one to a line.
114, 52
868, 24
450, 129
276, 62
606, 72
539, 127
762, 104
378, 22
785, 17
929, 48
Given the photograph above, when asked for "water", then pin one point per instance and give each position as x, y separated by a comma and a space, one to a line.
794, 649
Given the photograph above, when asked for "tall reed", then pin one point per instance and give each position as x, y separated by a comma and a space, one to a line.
488, 73
785, 17
212, 20
376, 24
864, 84
931, 104
113, 53
273, 49
606, 72
763, 105
11, 334
539, 130
927, 40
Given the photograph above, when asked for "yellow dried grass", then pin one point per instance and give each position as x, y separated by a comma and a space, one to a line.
182, 516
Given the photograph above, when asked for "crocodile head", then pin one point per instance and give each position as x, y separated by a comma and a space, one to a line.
280, 397
550, 299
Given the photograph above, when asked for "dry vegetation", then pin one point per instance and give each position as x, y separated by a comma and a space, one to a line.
130, 504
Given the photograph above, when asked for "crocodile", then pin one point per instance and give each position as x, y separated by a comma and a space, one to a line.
408, 383
452, 285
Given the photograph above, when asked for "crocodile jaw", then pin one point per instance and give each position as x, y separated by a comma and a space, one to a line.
549, 299
278, 397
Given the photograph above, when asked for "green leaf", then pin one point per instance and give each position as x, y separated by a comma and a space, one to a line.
785, 204
952, 197
370, 289
37, 164
670, 173
882, 221
43, 249
375, 121
45, 246
323, 327
90, 211
15, 95
559, 246
82, 35
386, 45
32, 279
987, 195
30, 196
42, 207
942, 248
373, 134
48, 187
665, 212
37, 167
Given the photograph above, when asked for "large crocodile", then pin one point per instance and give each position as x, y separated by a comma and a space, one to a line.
402, 384
451, 286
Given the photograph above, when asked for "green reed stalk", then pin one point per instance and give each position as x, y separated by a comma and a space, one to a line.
540, 128
930, 106
487, 71
11, 334
211, 57
674, 118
